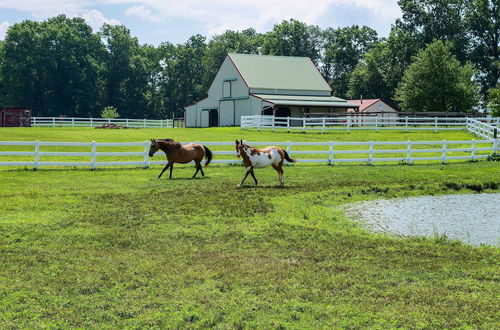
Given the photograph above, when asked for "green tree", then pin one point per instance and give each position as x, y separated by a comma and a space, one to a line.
494, 101
293, 38
183, 73
429, 20
52, 66
372, 77
483, 22
436, 81
344, 48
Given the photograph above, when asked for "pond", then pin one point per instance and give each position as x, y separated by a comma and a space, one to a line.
471, 218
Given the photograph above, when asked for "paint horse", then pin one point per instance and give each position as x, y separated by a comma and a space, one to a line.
177, 153
258, 158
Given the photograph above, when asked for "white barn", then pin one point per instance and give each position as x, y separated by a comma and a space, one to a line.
256, 84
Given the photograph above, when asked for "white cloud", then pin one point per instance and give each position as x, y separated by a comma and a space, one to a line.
216, 16
4, 26
143, 13
42, 9
96, 19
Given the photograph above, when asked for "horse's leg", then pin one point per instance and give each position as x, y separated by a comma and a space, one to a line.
201, 169
253, 176
279, 169
198, 166
171, 168
168, 164
244, 177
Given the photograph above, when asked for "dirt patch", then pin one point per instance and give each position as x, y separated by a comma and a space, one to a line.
113, 126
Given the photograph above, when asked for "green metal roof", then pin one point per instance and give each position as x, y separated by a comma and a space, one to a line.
310, 101
279, 72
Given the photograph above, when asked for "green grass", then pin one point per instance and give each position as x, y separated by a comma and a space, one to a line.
214, 134
223, 135
118, 248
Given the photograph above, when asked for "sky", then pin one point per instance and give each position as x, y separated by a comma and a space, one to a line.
157, 21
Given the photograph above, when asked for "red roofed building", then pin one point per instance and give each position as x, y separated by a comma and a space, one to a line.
373, 108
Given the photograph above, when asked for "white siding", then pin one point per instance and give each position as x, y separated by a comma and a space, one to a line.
226, 113
228, 71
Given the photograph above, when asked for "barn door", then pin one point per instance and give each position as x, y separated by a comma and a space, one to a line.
213, 118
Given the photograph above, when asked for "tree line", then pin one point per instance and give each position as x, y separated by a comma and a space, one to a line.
441, 55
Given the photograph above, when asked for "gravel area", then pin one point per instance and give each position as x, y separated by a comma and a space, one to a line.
471, 218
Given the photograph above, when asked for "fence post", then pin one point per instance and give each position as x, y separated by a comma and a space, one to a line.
72, 121
495, 146
348, 126
34, 121
53, 121
288, 124
146, 154
126, 122
144, 122
91, 122
323, 127
376, 124
408, 153
444, 151
289, 151
37, 154
473, 150
303, 124
406, 124
94, 155
161, 123
435, 124
273, 124
370, 156
330, 153
109, 120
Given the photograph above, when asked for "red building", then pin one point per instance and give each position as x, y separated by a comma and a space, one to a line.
15, 117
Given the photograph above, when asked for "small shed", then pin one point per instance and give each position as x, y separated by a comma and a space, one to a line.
370, 109
15, 117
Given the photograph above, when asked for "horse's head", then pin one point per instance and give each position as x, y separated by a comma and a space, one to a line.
239, 147
153, 148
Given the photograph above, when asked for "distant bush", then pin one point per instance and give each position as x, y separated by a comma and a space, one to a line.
110, 112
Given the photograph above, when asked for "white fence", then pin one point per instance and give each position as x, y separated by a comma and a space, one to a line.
306, 152
483, 129
356, 123
93, 122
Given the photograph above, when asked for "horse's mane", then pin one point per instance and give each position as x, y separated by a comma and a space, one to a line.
169, 143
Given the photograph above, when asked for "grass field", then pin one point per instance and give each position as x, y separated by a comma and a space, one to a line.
118, 248
226, 135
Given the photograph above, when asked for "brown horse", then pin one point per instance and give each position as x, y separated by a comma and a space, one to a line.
177, 153
258, 158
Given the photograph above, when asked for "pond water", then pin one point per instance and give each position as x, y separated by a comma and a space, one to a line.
471, 218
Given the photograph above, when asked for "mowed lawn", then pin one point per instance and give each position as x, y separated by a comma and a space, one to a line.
220, 134
118, 248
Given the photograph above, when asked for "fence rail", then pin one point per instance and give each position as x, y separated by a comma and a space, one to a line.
93, 122
482, 129
324, 124
307, 152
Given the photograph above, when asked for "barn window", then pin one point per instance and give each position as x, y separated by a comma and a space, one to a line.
226, 89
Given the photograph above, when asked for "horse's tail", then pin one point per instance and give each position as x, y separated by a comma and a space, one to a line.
291, 160
208, 155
